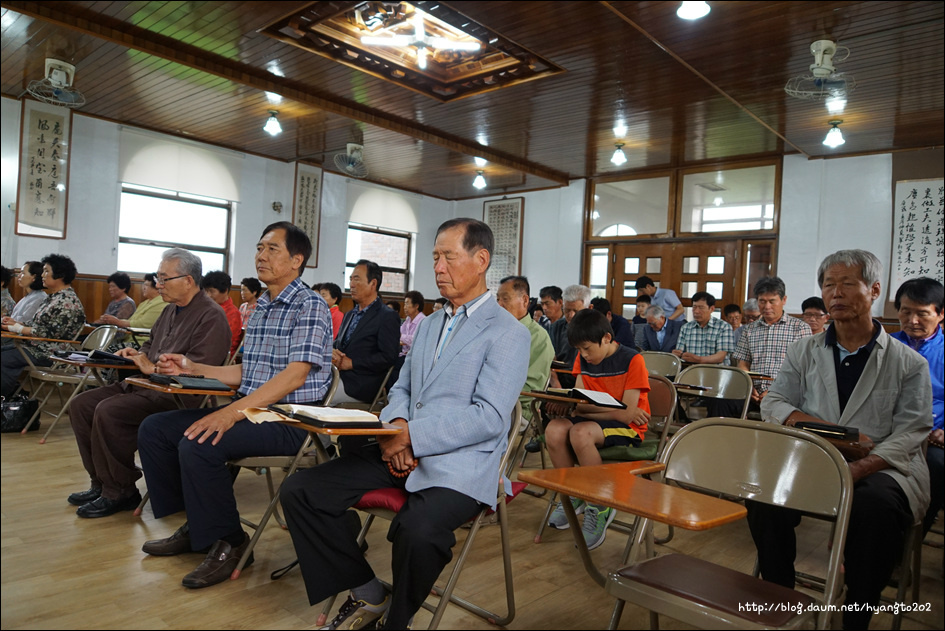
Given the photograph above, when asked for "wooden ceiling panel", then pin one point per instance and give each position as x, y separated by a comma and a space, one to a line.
687, 91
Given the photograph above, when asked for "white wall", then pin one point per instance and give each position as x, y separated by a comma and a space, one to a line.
830, 205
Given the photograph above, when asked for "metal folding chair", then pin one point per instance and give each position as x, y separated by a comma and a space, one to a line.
378, 504
665, 364
745, 460
721, 382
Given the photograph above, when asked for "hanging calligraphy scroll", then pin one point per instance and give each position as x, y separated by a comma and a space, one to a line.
306, 207
918, 247
45, 136
506, 217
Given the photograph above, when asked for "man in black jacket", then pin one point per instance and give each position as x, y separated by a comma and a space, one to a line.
368, 341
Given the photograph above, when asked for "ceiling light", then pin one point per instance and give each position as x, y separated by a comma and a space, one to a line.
620, 130
835, 104
693, 10
274, 98
480, 162
718, 201
834, 137
619, 156
272, 126
479, 182
595, 215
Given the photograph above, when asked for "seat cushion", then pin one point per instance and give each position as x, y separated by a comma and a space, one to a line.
629, 453
386, 499
717, 587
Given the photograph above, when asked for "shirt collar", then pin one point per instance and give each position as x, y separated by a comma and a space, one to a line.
780, 320
471, 306
830, 337
286, 295
357, 307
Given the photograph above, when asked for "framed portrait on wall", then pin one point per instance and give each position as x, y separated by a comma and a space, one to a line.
306, 204
42, 190
506, 217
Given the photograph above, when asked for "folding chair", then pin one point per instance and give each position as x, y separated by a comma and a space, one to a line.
99, 339
721, 382
665, 364
380, 399
385, 503
263, 465
743, 459
662, 398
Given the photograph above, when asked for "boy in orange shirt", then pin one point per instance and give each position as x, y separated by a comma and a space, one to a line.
576, 432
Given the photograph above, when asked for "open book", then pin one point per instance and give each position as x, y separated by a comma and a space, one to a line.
315, 416
602, 399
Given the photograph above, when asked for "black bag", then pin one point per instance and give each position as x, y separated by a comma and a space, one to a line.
17, 412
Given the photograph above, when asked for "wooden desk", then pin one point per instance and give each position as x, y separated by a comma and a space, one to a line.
142, 382
619, 486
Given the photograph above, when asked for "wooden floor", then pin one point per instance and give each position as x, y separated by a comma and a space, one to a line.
62, 572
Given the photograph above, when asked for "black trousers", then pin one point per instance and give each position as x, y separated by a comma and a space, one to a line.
184, 474
879, 519
315, 502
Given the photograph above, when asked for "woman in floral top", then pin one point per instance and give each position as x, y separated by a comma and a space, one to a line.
60, 317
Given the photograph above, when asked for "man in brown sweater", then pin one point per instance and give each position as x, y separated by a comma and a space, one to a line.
105, 420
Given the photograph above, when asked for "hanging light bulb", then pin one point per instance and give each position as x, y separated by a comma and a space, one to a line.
479, 182
834, 137
619, 156
272, 126
693, 10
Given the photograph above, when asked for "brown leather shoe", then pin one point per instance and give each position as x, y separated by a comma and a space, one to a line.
219, 564
178, 543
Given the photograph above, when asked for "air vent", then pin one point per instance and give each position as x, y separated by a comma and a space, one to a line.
709, 186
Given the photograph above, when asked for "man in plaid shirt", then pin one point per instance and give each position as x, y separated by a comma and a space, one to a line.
763, 345
705, 340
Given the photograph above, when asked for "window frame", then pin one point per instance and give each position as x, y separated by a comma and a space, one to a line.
384, 268
178, 196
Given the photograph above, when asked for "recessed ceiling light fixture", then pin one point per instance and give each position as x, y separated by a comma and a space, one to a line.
834, 137
479, 182
619, 156
693, 10
272, 126
835, 104
480, 162
620, 130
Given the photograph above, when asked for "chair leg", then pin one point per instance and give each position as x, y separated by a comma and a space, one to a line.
39, 409
617, 613
78, 389
544, 520
144, 502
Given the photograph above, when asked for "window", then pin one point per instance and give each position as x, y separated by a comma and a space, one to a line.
388, 248
153, 220
729, 200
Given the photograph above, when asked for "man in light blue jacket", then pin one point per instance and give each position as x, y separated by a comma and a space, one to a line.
454, 400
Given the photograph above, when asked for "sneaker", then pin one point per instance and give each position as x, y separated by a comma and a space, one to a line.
559, 520
357, 614
533, 446
596, 520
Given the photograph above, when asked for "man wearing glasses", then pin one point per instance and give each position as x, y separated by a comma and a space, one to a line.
105, 420
815, 314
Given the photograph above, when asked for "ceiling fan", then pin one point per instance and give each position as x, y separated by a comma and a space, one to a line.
352, 161
823, 81
55, 87
419, 39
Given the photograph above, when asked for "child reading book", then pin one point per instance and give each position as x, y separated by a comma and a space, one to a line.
576, 432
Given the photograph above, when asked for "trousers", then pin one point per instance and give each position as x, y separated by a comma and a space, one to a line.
105, 423
879, 519
315, 502
183, 474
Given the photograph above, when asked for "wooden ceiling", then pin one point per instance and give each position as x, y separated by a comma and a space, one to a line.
687, 91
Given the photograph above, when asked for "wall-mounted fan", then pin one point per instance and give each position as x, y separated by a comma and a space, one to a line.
56, 87
352, 162
823, 81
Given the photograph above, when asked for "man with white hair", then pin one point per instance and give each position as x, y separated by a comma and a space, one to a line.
576, 298
660, 334
854, 375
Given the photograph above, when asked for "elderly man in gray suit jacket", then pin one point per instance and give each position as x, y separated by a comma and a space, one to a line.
853, 374
454, 398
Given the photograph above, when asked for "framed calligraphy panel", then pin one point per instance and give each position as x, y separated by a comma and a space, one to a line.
306, 205
42, 196
918, 247
506, 217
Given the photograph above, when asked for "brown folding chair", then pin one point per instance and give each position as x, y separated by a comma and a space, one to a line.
744, 460
665, 364
378, 504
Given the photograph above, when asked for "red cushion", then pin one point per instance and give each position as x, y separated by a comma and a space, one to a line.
389, 499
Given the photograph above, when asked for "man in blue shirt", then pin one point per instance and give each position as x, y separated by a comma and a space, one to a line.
286, 358
665, 298
920, 305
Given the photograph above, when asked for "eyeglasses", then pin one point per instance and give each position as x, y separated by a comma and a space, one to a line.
161, 281
813, 316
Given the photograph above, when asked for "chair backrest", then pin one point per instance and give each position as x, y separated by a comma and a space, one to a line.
665, 364
662, 398
516, 420
724, 382
765, 462
380, 399
101, 338
335, 380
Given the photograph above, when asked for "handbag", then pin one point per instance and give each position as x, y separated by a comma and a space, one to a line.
17, 411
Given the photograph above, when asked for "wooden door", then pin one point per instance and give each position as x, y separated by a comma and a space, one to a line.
684, 267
